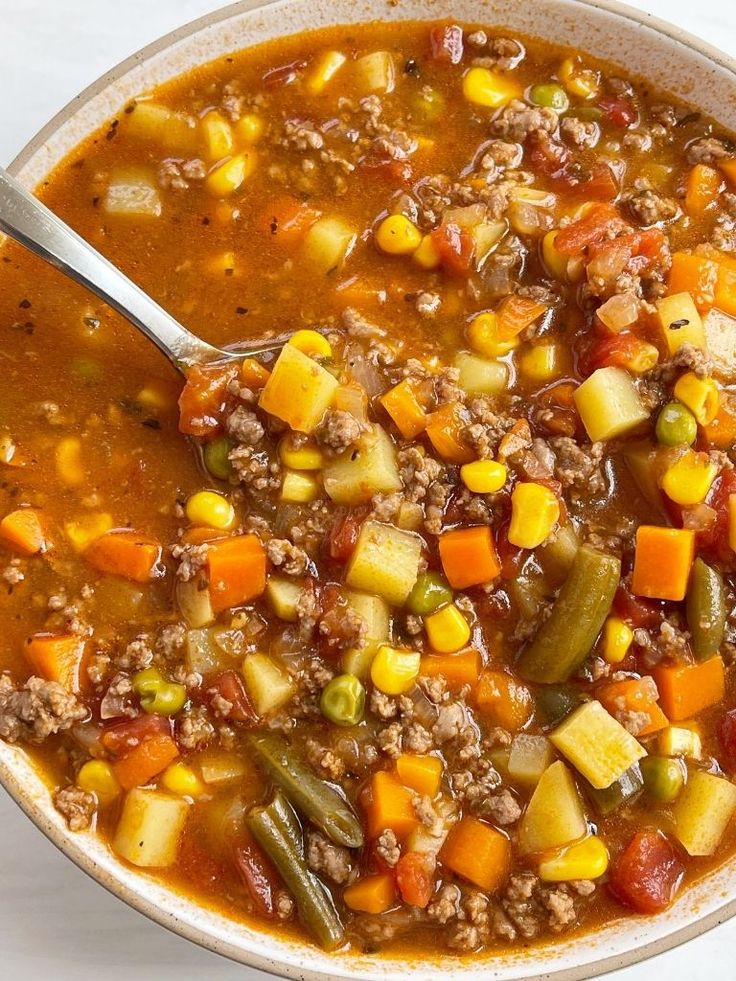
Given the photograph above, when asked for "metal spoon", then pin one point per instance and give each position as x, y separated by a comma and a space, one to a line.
29, 222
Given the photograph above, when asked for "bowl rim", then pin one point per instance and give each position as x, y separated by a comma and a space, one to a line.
66, 841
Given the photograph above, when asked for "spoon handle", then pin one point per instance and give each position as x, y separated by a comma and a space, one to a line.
29, 222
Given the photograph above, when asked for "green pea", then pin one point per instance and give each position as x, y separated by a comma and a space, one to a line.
157, 695
551, 96
676, 425
216, 457
343, 700
429, 593
428, 104
87, 369
663, 778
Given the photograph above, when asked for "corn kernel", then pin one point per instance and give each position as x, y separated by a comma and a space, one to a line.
617, 638
700, 395
210, 510
157, 394
98, 777
218, 136
586, 859
250, 128
483, 87
329, 64
644, 358
396, 235
679, 741
227, 177
394, 671
689, 479
580, 81
312, 343
300, 488
483, 337
555, 262
732, 521
178, 778
426, 255
69, 461
534, 512
447, 629
542, 363
484, 476
85, 530
303, 457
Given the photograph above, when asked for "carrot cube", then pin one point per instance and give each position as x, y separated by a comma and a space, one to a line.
469, 556
420, 773
686, 689
373, 894
636, 695
504, 701
145, 761
444, 428
457, 669
477, 852
662, 562
23, 530
696, 275
237, 568
126, 554
389, 805
403, 406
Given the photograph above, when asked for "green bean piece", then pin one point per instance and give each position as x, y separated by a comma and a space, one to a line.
430, 592
276, 829
216, 457
552, 96
591, 114
622, 791
663, 778
706, 610
554, 703
676, 425
157, 695
343, 700
312, 797
567, 636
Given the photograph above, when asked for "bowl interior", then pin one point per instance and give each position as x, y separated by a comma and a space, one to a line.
670, 60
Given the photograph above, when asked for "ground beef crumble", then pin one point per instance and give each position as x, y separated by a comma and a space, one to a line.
36, 710
77, 806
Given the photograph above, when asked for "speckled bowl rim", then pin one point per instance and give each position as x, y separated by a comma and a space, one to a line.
17, 776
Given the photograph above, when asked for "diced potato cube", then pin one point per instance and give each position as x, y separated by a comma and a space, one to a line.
221, 768
193, 600
328, 65
680, 322
375, 72
364, 470
597, 744
554, 816
411, 516
703, 811
486, 236
132, 194
481, 376
679, 741
530, 756
609, 404
283, 595
86, 529
267, 683
385, 561
720, 337
170, 129
328, 243
298, 390
150, 828
203, 656
376, 615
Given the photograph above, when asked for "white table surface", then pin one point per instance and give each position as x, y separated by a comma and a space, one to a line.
54, 921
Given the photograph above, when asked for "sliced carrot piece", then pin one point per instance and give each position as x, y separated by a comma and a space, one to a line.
634, 695
237, 570
56, 658
127, 554
469, 556
24, 530
286, 220
686, 689
145, 761
515, 313
702, 189
444, 428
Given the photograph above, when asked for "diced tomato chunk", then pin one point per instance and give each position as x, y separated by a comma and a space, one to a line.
228, 687
647, 874
284, 74
447, 44
620, 112
415, 878
122, 738
598, 184
389, 169
635, 610
618, 350
259, 875
343, 535
548, 156
202, 400
594, 227
713, 541
454, 246
727, 736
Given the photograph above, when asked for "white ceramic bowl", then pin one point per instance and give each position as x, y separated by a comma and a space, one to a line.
644, 46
